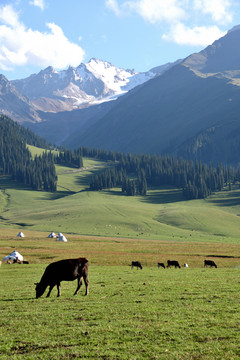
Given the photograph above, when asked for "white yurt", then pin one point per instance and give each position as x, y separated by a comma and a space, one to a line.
52, 235
14, 256
61, 237
20, 234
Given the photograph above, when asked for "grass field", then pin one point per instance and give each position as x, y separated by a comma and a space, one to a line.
147, 314
182, 314
161, 215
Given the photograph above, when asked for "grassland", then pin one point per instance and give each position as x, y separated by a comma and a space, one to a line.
147, 314
182, 314
161, 215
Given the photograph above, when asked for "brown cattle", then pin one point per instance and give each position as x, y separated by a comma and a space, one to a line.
63, 270
137, 264
173, 263
210, 263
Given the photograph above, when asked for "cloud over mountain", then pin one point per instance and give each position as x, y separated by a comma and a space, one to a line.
177, 14
20, 45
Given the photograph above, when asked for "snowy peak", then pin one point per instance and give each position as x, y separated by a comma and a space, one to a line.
94, 82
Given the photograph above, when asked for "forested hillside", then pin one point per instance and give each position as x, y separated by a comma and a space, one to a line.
135, 173
16, 159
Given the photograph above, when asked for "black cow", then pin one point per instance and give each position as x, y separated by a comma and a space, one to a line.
210, 263
63, 270
161, 265
173, 263
137, 264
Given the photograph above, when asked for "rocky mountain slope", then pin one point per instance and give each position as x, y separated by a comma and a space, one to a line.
75, 88
14, 104
189, 108
192, 110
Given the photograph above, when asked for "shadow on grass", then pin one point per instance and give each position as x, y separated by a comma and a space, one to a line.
231, 198
154, 196
163, 196
18, 299
85, 178
6, 182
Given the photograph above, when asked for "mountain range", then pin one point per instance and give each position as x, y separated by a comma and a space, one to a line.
189, 108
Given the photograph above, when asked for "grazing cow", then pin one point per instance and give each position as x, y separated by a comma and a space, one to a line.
173, 263
186, 265
63, 270
161, 265
209, 263
137, 264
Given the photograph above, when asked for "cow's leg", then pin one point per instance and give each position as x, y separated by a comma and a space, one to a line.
50, 289
78, 285
85, 278
58, 289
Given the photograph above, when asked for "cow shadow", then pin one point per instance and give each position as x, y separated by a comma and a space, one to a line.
17, 299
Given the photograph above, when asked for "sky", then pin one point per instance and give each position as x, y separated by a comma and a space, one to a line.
130, 34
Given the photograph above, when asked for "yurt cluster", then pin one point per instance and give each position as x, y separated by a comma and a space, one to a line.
58, 237
16, 257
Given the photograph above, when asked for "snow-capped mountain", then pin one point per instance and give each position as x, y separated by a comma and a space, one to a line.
91, 83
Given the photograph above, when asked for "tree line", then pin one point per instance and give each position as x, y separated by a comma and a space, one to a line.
135, 173
16, 160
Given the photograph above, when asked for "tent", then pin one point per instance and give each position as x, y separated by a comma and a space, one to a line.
52, 235
61, 237
20, 234
14, 256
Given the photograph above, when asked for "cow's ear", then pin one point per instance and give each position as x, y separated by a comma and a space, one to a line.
36, 283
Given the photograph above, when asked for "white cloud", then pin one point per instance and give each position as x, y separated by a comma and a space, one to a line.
38, 3
113, 5
183, 19
174, 10
21, 46
8, 16
159, 10
196, 36
218, 9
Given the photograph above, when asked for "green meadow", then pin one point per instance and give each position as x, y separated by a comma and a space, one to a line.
183, 314
162, 214
129, 314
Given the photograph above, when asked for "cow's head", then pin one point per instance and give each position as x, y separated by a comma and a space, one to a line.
39, 290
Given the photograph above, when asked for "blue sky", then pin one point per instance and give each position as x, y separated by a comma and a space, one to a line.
134, 34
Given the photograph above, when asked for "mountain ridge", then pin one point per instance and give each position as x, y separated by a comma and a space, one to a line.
171, 113
77, 87
187, 108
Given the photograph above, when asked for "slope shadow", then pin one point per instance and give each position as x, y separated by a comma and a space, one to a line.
86, 177
6, 182
163, 196
228, 199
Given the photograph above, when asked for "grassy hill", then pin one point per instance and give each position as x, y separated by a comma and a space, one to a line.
161, 215
147, 314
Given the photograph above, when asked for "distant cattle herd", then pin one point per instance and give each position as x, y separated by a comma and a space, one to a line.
173, 263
